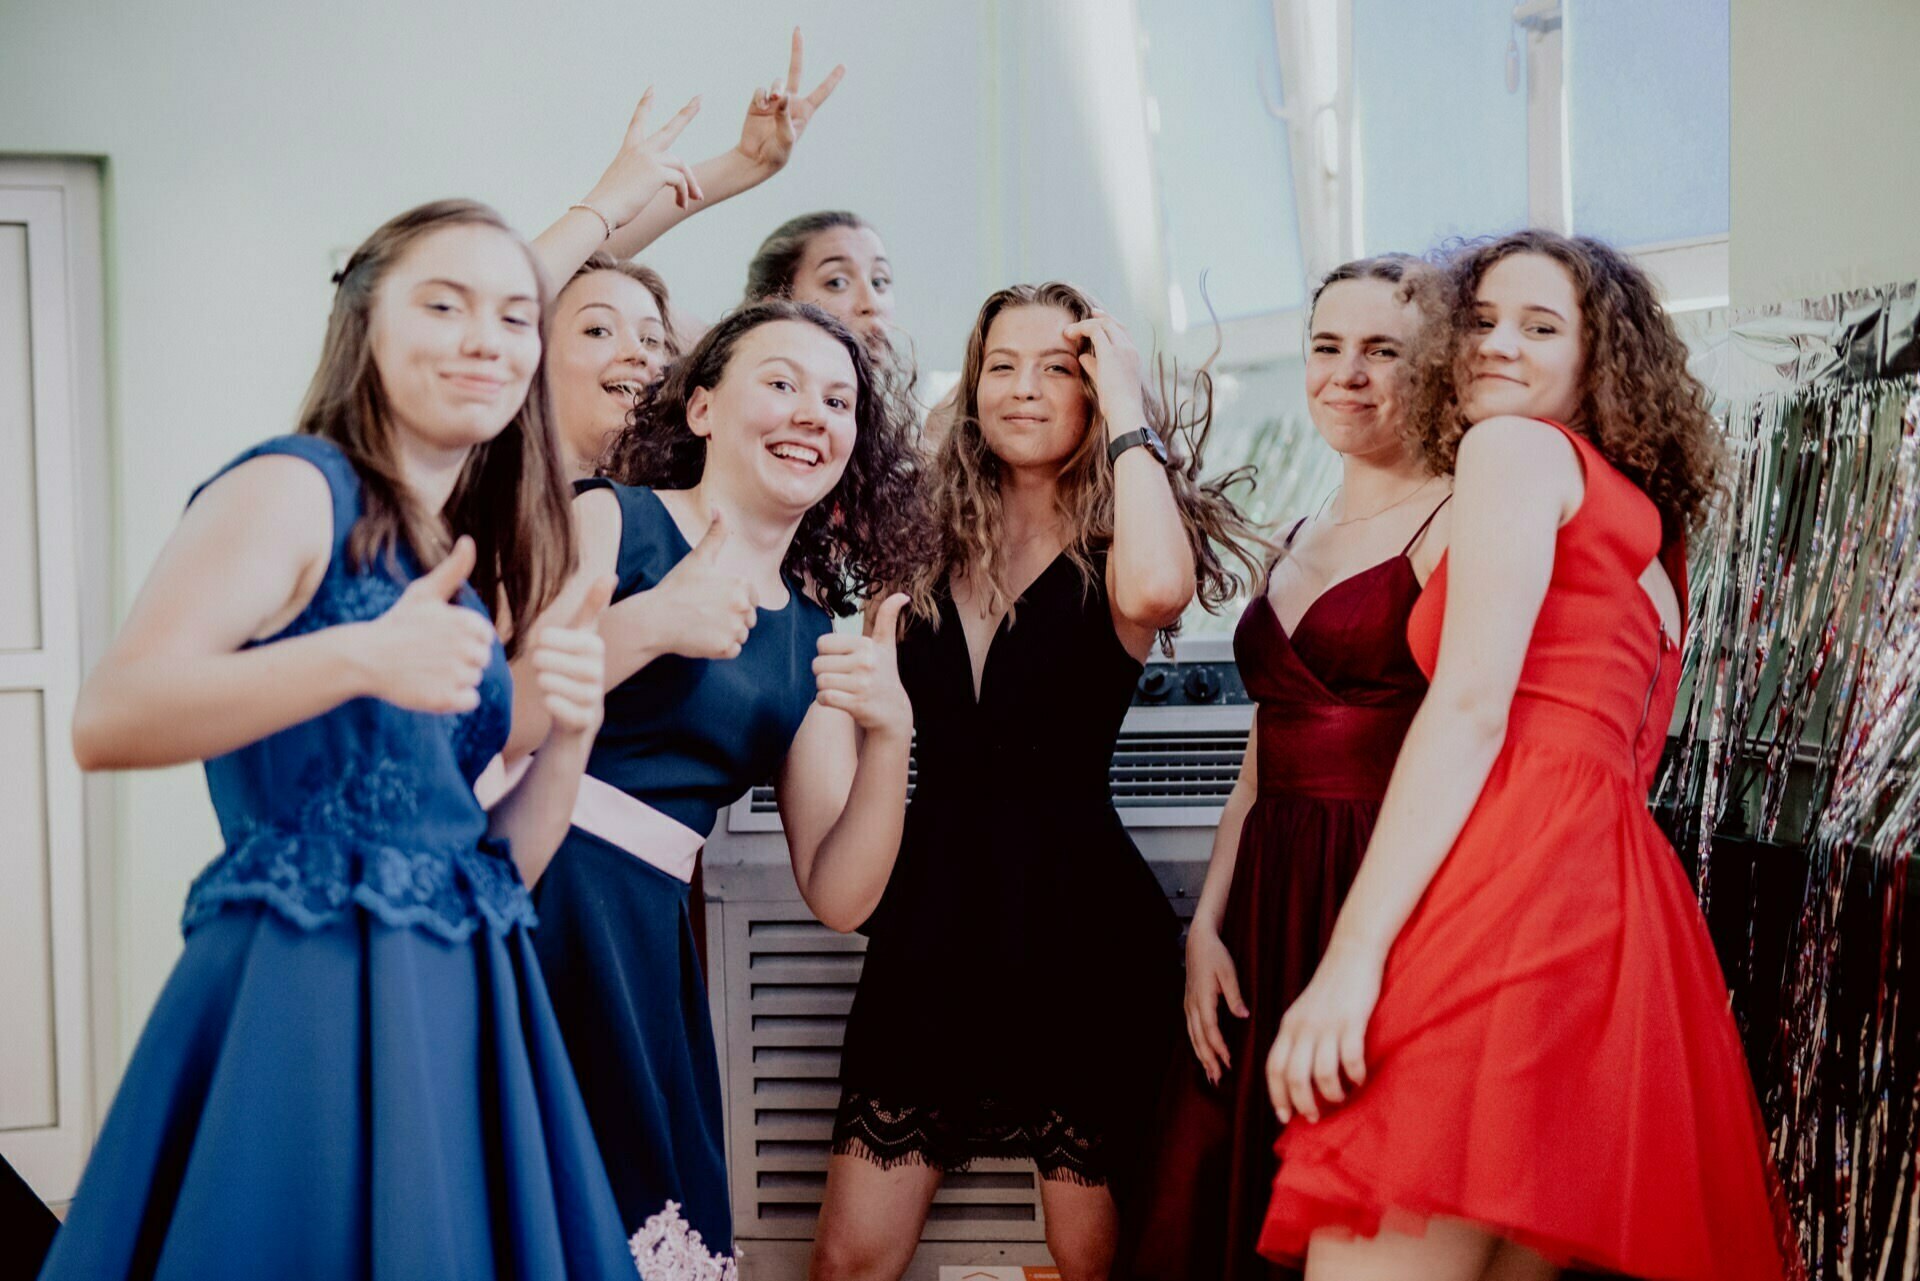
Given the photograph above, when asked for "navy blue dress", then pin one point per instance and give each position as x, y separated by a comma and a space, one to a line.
687, 737
353, 1071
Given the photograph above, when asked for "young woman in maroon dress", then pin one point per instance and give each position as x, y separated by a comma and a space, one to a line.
1516, 1054
1323, 650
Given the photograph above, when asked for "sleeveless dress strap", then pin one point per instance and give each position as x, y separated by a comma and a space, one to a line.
1286, 545
1419, 533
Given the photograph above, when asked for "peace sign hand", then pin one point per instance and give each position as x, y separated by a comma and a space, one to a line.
644, 166
778, 115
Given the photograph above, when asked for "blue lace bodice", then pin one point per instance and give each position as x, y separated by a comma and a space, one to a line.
366, 805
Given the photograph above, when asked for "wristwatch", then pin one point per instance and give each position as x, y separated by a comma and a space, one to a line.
1138, 436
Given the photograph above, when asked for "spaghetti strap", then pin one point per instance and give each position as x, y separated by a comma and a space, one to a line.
1285, 547
1420, 532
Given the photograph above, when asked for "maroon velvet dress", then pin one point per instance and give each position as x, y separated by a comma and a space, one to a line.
1334, 701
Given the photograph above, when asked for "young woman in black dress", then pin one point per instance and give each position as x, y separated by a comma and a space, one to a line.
1023, 949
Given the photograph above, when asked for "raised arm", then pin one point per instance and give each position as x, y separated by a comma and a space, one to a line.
1150, 570
843, 787
1517, 482
776, 117
643, 172
176, 684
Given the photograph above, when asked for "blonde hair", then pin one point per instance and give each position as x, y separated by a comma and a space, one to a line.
969, 516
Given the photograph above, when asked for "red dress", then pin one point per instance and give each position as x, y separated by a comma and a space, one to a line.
1552, 1055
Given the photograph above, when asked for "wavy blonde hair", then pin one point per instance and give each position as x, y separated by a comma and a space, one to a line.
969, 516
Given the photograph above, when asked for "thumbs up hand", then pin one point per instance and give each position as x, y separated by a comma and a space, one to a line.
860, 675
702, 610
570, 662
425, 653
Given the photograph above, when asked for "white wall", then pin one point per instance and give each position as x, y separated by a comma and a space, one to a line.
1826, 147
243, 145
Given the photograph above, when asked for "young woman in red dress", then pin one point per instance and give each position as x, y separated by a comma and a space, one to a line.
1516, 1054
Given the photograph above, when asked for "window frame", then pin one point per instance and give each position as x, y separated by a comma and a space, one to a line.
1693, 273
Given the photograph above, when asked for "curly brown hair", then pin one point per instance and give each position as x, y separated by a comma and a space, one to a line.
872, 530
967, 504
1639, 405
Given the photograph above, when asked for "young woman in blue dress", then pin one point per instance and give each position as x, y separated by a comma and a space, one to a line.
767, 484
354, 1070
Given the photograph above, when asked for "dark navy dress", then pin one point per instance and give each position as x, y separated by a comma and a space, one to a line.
686, 737
353, 1071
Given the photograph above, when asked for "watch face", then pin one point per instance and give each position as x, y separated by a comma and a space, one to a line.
1155, 446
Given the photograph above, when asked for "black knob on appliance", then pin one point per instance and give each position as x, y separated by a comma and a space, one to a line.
1155, 684
1202, 685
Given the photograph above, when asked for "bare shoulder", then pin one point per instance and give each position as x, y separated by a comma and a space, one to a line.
281, 495
597, 524
1511, 450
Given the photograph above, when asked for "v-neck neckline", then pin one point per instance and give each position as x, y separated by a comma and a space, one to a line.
1307, 613
1290, 636
1000, 628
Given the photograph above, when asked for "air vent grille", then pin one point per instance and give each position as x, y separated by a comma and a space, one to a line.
788, 987
1151, 769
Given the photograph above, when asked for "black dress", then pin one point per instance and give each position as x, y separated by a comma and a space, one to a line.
1023, 978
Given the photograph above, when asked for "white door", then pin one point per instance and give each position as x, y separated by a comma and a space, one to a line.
46, 1121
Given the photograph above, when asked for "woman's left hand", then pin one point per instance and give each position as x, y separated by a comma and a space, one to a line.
778, 116
860, 675
570, 662
1323, 1034
1113, 365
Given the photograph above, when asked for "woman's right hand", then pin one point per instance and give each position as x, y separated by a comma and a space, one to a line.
644, 166
1211, 978
427, 654
699, 609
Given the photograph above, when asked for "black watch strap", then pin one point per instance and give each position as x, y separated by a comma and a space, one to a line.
1138, 436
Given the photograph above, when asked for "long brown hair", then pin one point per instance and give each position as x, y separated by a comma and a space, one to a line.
968, 508
511, 497
1639, 405
869, 533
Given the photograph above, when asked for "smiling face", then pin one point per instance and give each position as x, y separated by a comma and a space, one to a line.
607, 344
1356, 358
1031, 401
455, 335
780, 422
1526, 353
844, 271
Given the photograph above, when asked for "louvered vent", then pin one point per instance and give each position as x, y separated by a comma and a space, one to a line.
1151, 769
788, 986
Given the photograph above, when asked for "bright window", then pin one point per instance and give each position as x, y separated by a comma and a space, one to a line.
1223, 164
1648, 125
1440, 143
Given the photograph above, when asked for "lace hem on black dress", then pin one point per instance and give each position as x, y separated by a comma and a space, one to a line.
952, 1138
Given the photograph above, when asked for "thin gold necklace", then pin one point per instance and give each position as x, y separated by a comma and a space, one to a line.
1404, 498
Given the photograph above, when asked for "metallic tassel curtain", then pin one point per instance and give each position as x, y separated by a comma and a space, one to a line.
1794, 775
